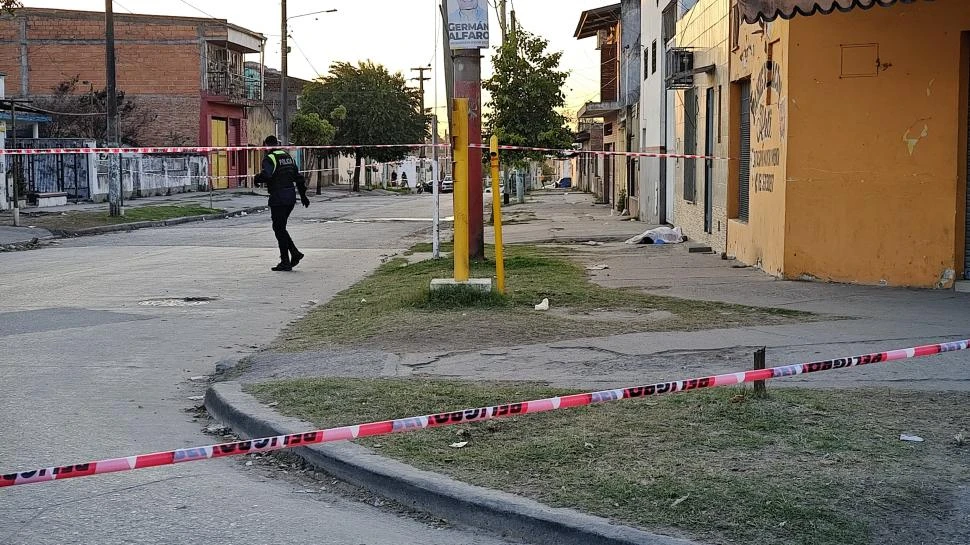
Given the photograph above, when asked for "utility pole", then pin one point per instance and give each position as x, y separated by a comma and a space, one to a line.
284, 68
503, 18
421, 79
115, 197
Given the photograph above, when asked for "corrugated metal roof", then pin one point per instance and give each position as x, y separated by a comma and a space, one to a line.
769, 10
592, 20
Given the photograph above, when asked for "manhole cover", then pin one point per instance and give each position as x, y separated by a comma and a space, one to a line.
177, 302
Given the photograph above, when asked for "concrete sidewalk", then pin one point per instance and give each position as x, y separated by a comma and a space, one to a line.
562, 216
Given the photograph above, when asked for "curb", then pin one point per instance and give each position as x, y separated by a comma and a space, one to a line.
497, 512
104, 229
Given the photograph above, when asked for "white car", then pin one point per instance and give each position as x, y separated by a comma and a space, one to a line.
447, 185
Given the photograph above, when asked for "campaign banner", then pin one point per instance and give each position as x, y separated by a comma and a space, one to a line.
468, 24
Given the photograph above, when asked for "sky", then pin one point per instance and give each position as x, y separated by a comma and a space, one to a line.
400, 34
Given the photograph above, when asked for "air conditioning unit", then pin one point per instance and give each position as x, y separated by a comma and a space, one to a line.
680, 68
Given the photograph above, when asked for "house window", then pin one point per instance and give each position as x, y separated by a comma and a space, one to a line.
646, 66
653, 65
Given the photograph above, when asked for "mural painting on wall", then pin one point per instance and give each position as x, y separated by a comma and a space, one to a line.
765, 160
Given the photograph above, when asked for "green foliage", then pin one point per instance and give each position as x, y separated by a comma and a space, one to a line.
311, 130
526, 90
7, 6
370, 106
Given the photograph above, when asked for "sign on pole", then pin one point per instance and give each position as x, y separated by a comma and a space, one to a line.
468, 24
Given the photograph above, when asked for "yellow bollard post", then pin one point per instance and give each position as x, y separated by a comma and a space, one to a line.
497, 215
460, 150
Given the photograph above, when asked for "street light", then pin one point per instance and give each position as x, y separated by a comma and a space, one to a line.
284, 90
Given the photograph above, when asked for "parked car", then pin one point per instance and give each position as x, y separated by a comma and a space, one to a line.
564, 183
445, 185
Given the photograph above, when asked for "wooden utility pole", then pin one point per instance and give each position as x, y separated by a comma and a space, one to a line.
284, 68
503, 18
421, 79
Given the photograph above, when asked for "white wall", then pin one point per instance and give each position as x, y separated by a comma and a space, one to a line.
656, 132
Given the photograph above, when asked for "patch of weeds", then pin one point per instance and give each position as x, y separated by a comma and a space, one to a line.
803, 467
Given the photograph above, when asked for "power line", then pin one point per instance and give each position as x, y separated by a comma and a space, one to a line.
122, 6
300, 49
200, 10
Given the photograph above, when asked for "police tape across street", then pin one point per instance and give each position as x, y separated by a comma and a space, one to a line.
233, 149
347, 433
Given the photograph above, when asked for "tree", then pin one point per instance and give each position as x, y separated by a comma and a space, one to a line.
526, 90
309, 129
7, 6
82, 115
380, 109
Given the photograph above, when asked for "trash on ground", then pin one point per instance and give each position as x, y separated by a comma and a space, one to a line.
911, 438
544, 305
459, 445
665, 235
597, 267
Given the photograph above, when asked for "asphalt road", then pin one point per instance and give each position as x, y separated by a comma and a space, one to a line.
94, 365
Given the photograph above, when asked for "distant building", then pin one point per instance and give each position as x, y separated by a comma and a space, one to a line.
187, 70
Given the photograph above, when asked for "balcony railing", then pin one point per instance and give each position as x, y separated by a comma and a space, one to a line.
235, 87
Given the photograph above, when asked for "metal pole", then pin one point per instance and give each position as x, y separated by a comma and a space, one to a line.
16, 170
436, 214
468, 84
115, 205
462, 214
284, 91
497, 215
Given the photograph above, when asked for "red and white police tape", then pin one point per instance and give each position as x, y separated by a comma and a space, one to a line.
191, 149
347, 433
607, 153
227, 149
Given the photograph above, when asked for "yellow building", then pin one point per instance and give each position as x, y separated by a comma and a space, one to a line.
849, 129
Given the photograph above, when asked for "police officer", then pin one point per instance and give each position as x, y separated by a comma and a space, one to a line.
282, 179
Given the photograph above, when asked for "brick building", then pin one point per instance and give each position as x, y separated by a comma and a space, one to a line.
271, 89
189, 71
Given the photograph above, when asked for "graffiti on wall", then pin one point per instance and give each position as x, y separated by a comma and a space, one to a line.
768, 82
766, 100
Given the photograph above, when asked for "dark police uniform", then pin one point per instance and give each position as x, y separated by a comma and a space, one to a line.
283, 180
